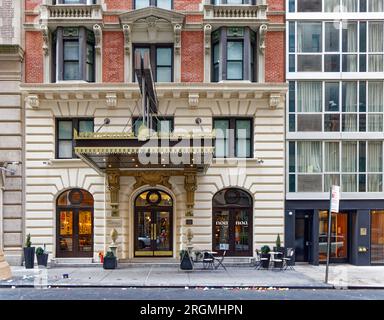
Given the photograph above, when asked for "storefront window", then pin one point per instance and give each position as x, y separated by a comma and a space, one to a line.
377, 237
339, 236
232, 222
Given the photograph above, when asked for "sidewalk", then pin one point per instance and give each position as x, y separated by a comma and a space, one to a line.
168, 276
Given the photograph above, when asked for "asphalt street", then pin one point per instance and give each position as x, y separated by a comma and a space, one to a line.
185, 294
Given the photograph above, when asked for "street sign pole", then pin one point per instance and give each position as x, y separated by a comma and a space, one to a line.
334, 199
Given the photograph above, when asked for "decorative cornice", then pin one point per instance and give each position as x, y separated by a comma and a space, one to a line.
274, 100
111, 100
262, 33
177, 44
171, 16
193, 100
32, 101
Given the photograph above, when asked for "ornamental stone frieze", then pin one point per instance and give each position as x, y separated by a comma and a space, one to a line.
113, 180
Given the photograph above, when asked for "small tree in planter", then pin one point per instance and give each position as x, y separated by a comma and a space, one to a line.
42, 257
110, 261
29, 253
265, 254
278, 247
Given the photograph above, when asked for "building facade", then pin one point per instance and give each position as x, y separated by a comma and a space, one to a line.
11, 132
219, 75
334, 129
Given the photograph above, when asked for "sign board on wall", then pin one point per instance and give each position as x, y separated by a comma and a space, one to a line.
335, 198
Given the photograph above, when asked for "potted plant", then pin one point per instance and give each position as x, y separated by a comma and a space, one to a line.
278, 247
42, 257
29, 253
110, 261
265, 256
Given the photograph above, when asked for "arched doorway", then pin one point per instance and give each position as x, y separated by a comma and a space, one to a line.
74, 224
232, 222
153, 224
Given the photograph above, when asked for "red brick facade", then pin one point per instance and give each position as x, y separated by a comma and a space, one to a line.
32, 4
119, 5
192, 56
186, 5
276, 5
113, 56
34, 70
275, 57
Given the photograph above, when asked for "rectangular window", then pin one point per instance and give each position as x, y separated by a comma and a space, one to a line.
164, 4
332, 35
331, 102
309, 156
161, 59
309, 37
375, 46
64, 135
235, 57
160, 125
216, 62
309, 5
376, 5
71, 60
233, 138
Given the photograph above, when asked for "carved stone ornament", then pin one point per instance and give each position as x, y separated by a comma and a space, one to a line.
33, 101
45, 32
113, 178
98, 37
274, 100
262, 33
111, 100
177, 30
152, 28
127, 38
193, 100
190, 186
114, 235
207, 38
152, 179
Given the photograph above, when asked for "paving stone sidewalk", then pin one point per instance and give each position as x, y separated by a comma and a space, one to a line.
170, 276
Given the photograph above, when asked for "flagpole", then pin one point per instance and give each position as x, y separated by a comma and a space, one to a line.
329, 236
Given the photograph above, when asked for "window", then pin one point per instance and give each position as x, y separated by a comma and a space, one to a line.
74, 2
161, 57
217, 2
64, 135
164, 4
314, 166
234, 138
349, 106
74, 54
234, 54
235, 60
232, 222
309, 5
163, 125
352, 46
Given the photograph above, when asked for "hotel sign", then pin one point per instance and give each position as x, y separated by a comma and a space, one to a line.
335, 198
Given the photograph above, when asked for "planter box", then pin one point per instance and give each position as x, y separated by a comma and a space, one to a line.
186, 262
110, 263
42, 259
29, 257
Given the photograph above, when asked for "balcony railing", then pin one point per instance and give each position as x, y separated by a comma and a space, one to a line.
71, 13
225, 12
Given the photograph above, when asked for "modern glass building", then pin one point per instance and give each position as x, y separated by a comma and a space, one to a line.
334, 129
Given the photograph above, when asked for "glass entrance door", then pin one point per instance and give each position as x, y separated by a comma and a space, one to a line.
339, 236
75, 231
153, 233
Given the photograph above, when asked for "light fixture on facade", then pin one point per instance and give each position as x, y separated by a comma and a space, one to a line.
259, 161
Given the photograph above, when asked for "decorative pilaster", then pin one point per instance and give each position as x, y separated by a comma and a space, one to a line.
207, 52
127, 52
113, 179
190, 185
261, 52
98, 47
177, 45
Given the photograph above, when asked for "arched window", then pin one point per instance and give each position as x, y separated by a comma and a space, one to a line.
74, 234
232, 222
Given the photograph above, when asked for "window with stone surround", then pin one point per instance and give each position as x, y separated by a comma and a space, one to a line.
73, 55
64, 135
160, 124
233, 55
161, 58
74, 2
336, 6
234, 137
164, 4
234, 2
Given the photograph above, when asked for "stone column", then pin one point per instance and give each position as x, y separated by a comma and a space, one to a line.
5, 270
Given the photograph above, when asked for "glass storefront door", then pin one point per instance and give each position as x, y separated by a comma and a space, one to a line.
232, 232
377, 236
339, 237
153, 233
